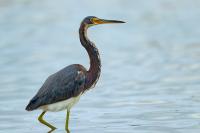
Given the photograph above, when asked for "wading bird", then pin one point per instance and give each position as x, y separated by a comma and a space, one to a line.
63, 89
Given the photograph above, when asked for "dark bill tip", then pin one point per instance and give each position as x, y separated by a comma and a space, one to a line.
112, 21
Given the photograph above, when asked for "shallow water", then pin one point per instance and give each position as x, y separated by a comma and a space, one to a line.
150, 65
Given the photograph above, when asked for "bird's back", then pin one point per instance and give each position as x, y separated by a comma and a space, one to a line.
62, 85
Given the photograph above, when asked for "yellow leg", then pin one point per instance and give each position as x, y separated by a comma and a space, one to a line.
67, 122
41, 120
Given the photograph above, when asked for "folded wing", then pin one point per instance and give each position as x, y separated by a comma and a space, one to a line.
66, 83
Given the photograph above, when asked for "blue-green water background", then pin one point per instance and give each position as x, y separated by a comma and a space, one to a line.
150, 81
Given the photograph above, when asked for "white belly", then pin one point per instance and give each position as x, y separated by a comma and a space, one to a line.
62, 105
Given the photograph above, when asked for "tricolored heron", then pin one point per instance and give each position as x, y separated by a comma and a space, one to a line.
63, 89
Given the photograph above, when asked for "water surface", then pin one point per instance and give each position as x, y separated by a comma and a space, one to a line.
150, 65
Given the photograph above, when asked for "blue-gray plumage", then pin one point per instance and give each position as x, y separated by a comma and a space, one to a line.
64, 84
63, 89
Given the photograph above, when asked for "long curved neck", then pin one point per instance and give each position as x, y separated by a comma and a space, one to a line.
95, 63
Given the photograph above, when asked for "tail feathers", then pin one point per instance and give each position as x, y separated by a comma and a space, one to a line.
33, 104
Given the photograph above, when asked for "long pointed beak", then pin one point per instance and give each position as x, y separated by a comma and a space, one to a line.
103, 21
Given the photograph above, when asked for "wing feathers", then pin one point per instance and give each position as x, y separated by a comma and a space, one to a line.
68, 82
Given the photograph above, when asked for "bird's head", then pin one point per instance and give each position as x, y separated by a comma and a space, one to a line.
92, 20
